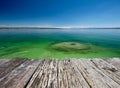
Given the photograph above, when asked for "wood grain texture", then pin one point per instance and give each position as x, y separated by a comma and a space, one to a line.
53, 73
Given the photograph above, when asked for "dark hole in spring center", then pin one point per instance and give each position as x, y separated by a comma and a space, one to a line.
72, 44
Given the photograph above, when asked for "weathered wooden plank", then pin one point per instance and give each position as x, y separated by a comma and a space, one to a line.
74, 77
62, 76
95, 77
114, 61
68, 73
9, 66
40, 77
107, 69
104, 65
2, 61
52, 78
19, 77
34, 79
59, 76
29, 71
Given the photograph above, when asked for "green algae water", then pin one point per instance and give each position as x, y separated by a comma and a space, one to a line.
37, 43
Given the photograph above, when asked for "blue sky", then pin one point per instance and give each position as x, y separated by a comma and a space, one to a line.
60, 12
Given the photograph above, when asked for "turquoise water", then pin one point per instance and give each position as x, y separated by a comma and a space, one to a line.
35, 43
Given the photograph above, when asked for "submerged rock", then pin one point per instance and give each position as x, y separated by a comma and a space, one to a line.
70, 46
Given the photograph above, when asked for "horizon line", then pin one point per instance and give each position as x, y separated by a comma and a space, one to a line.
2, 26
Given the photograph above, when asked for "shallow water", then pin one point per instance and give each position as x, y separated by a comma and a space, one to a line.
35, 43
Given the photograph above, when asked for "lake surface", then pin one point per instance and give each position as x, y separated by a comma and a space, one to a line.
35, 43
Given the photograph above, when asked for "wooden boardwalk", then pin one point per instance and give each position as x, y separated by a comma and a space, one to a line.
68, 73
